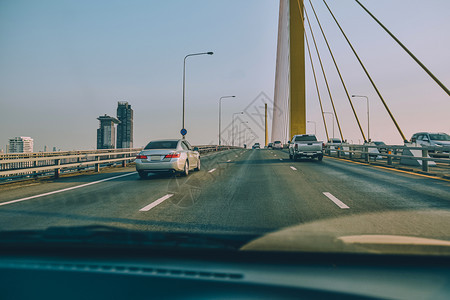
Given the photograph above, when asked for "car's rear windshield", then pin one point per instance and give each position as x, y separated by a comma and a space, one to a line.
277, 142
440, 137
161, 145
305, 138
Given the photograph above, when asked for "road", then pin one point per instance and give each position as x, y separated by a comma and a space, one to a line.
245, 191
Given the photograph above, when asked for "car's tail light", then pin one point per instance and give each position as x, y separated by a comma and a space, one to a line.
172, 155
296, 146
141, 157
323, 145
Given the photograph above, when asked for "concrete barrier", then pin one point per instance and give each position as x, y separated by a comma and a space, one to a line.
414, 153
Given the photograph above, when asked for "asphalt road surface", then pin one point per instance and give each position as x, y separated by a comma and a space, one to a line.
245, 191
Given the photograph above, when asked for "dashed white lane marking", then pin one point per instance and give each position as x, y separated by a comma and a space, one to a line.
274, 155
66, 189
157, 202
212, 170
281, 159
293, 168
229, 160
335, 200
235, 156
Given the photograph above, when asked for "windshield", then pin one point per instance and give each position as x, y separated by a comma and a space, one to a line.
305, 138
97, 95
161, 145
440, 137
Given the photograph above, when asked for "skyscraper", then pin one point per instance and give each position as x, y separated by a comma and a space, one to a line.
125, 127
106, 133
21, 144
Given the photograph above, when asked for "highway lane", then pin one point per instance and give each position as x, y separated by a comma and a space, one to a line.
245, 191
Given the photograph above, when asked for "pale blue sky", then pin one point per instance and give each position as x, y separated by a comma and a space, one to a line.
63, 63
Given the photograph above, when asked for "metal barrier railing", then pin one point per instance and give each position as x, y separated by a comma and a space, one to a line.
44, 163
391, 153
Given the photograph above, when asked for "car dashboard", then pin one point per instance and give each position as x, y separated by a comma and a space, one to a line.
136, 274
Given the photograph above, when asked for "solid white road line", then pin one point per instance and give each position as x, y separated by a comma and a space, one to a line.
293, 168
212, 170
65, 190
157, 202
335, 200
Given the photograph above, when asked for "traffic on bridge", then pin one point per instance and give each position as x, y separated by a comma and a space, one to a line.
276, 149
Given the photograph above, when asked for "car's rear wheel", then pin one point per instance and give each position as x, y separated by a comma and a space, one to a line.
320, 158
142, 174
198, 165
290, 156
186, 169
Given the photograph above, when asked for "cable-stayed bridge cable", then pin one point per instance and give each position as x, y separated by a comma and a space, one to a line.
315, 78
325, 77
407, 50
367, 73
339, 72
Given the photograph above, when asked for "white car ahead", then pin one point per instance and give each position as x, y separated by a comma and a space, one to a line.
277, 145
177, 156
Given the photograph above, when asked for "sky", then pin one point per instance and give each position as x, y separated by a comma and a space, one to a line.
64, 63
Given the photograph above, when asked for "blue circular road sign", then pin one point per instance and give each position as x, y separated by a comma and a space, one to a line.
183, 131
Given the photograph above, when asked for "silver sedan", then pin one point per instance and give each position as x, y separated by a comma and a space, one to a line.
168, 156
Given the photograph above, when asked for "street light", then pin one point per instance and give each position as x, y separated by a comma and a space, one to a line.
220, 116
184, 82
368, 114
327, 112
245, 134
240, 134
232, 125
314, 126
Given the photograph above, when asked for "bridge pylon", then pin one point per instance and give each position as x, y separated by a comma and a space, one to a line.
290, 95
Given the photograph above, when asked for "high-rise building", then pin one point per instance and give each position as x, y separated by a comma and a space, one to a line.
21, 144
106, 132
125, 127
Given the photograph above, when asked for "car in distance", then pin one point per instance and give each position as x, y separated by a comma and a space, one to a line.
270, 146
177, 156
277, 145
438, 140
305, 145
381, 146
333, 144
256, 146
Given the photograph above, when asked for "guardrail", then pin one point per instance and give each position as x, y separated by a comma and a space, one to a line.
20, 165
406, 154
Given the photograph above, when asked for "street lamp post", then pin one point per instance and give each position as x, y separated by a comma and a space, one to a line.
240, 133
220, 116
232, 125
245, 134
368, 114
184, 82
314, 126
327, 112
